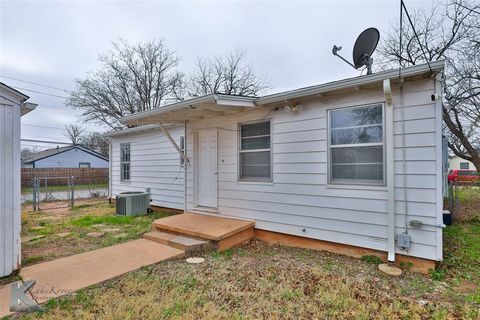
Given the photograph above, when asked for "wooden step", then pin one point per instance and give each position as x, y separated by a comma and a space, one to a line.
203, 226
189, 245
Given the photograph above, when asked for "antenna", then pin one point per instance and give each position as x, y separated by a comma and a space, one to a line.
363, 49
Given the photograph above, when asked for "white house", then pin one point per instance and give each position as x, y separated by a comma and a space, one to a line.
13, 105
457, 163
356, 162
74, 156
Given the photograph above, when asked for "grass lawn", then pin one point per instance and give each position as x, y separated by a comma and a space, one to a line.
44, 233
65, 187
272, 281
269, 282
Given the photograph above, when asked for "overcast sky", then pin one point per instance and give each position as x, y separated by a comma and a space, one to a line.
54, 43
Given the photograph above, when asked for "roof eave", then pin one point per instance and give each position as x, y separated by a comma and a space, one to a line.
435, 66
218, 99
27, 107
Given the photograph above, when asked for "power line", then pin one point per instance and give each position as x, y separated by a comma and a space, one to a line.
41, 92
45, 141
34, 83
402, 4
39, 126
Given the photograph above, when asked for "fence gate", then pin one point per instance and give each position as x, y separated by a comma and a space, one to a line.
42, 194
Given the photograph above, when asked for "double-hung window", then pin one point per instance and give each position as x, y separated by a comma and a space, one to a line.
356, 145
255, 152
125, 161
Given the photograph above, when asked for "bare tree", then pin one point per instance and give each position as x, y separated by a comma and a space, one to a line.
228, 75
450, 31
74, 133
131, 78
96, 141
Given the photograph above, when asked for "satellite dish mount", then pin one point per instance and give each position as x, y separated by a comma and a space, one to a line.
363, 49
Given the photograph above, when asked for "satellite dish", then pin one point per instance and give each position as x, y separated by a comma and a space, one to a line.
363, 49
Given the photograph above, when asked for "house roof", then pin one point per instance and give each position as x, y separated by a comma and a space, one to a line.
22, 96
54, 151
220, 104
26, 107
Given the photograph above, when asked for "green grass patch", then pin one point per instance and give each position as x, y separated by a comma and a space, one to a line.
87, 221
226, 254
371, 259
33, 259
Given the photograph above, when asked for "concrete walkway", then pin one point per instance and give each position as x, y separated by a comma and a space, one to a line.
63, 276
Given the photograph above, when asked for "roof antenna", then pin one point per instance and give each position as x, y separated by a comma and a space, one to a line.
363, 49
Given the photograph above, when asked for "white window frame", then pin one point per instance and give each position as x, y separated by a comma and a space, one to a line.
355, 182
240, 151
125, 162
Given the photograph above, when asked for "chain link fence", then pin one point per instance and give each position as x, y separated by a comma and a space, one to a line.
42, 186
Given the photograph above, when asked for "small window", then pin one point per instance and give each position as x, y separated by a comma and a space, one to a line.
255, 152
182, 147
464, 165
356, 145
125, 161
84, 165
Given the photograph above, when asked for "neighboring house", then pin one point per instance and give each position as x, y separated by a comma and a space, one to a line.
354, 163
457, 163
74, 156
13, 105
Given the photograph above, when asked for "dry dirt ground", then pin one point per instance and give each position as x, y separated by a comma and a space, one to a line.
257, 280
261, 281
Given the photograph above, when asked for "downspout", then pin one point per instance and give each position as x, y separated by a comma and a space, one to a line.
185, 166
110, 152
387, 90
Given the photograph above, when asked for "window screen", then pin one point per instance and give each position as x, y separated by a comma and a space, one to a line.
124, 161
255, 151
356, 146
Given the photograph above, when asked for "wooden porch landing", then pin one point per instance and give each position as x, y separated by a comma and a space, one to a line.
203, 226
197, 232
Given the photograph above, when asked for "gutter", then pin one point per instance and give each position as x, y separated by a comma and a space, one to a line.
27, 107
351, 82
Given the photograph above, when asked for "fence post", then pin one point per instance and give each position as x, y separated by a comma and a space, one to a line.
457, 200
72, 186
46, 188
34, 194
450, 196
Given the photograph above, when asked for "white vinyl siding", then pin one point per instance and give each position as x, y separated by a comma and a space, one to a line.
154, 164
356, 145
125, 161
10, 215
255, 161
299, 200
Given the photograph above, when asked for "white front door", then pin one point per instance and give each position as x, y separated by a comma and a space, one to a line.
207, 168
